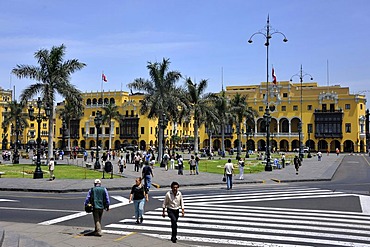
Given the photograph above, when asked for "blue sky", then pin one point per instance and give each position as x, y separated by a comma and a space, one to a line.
200, 37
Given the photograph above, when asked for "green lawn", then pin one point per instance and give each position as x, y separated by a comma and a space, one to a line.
76, 172
61, 172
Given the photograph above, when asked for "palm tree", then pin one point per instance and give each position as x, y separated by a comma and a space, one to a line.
239, 110
161, 96
15, 116
201, 105
67, 113
222, 111
52, 76
111, 112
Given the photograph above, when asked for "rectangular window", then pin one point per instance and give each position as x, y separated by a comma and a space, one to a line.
332, 107
132, 113
151, 130
295, 108
348, 128
126, 113
283, 108
32, 125
117, 130
142, 130
323, 107
44, 125
260, 108
92, 131
309, 128
285, 95
361, 106
83, 131
347, 106
309, 107
106, 130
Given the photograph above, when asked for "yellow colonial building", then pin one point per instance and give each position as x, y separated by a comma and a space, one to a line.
136, 130
331, 117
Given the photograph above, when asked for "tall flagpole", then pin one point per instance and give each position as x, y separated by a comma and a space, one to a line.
102, 81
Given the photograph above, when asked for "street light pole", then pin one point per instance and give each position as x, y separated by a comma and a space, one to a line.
97, 121
268, 35
300, 131
38, 172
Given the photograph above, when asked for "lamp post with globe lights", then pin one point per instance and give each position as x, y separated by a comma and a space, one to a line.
39, 117
267, 32
301, 75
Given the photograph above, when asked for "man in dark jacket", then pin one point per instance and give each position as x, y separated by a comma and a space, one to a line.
98, 196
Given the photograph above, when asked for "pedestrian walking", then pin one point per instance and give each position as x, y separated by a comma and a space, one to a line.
121, 165
98, 196
241, 164
139, 195
180, 164
127, 157
192, 165
51, 168
165, 160
337, 151
228, 172
92, 155
172, 161
137, 160
283, 160
173, 202
85, 155
104, 159
297, 163
147, 174
319, 156
197, 163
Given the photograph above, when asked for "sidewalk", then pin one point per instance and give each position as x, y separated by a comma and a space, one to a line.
62, 236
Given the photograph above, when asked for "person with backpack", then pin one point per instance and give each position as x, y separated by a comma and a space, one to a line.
98, 196
147, 174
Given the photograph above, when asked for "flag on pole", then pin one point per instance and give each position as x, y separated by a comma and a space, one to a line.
103, 77
273, 77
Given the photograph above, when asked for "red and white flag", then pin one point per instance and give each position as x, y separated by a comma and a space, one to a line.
273, 77
104, 78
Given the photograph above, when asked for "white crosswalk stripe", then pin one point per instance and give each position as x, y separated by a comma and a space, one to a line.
223, 219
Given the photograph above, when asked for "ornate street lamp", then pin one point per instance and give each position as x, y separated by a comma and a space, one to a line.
301, 75
39, 117
248, 133
267, 117
98, 122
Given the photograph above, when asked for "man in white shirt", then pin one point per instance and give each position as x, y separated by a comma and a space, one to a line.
173, 201
228, 172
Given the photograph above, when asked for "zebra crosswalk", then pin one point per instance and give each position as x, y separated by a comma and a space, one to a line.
227, 219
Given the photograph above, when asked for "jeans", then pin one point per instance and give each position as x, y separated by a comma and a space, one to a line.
174, 216
181, 170
197, 167
139, 208
147, 181
229, 181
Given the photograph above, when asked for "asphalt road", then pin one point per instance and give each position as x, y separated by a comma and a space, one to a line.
352, 177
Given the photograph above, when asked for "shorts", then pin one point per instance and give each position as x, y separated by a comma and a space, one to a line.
192, 168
